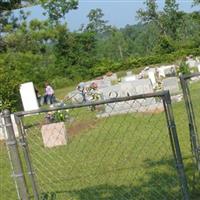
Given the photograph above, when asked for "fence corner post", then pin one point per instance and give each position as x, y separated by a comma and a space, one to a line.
12, 146
175, 144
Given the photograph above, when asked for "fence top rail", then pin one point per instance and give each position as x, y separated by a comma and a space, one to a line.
112, 100
188, 76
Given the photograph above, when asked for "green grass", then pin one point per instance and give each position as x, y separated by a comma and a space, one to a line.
61, 93
116, 158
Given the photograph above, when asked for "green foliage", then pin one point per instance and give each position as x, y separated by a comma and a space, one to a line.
13, 4
184, 68
9, 81
96, 22
58, 9
168, 21
57, 116
164, 46
150, 14
46, 50
61, 116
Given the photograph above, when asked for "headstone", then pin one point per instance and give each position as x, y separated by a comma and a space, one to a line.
198, 67
191, 62
171, 84
129, 78
2, 136
54, 134
168, 70
151, 76
113, 77
125, 89
75, 96
100, 83
110, 92
129, 73
28, 96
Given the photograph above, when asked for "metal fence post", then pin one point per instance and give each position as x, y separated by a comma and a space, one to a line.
175, 144
15, 157
192, 122
24, 144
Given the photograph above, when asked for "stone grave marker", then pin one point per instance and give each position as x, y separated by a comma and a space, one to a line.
151, 76
129, 78
102, 83
113, 77
168, 70
171, 84
54, 134
129, 73
28, 96
136, 87
198, 67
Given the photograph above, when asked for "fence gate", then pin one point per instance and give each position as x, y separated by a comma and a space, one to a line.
117, 149
191, 92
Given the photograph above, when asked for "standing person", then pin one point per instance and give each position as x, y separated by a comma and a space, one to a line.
37, 95
81, 88
49, 94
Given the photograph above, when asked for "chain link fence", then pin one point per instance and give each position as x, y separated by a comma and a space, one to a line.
7, 184
191, 91
123, 148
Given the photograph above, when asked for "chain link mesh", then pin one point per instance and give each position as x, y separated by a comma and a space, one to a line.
192, 96
112, 151
7, 184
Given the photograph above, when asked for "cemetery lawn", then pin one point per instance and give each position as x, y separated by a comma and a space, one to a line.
116, 158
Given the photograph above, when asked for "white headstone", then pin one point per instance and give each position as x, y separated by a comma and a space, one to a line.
198, 67
2, 136
151, 76
113, 77
171, 84
129, 73
129, 78
166, 70
141, 86
28, 96
191, 63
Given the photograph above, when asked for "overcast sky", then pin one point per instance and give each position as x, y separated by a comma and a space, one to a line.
117, 12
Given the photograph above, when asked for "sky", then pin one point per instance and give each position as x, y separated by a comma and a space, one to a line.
119, 13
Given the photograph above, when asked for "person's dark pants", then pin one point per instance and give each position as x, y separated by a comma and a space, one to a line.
84, 96
49, 99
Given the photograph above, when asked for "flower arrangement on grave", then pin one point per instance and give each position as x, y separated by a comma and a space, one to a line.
57, 116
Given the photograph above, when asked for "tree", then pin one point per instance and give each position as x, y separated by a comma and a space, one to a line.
196, 2
96, 23
171, 18
6, 5
58, 9
168, 21
150, 14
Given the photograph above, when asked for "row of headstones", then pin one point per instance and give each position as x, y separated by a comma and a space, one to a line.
193, 63
30, 102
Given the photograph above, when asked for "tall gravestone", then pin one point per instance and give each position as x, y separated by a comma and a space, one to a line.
152, 77
28, 96
198, 67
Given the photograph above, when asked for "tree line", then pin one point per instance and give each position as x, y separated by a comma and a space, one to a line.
47, 50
